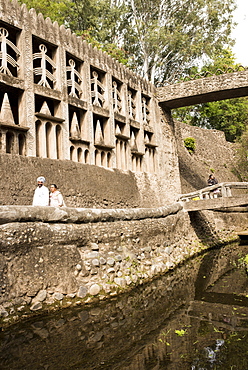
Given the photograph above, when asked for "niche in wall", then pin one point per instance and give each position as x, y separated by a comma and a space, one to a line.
132, 103
14, 96
48, 128
74, 76
77, 124
9, 49
117, 98
97, 81
145, 103
44, 63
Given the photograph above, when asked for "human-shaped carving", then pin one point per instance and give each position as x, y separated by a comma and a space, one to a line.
116, 97
145, 111
72, 82
42, 70
97, 91
4, 56
131, 105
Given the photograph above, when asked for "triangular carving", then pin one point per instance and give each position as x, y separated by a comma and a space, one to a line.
98, 134
45, 109
146, 139
6, 115
74, 131
117, 130
133, 143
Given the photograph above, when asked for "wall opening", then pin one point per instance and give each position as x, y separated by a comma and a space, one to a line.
9, 142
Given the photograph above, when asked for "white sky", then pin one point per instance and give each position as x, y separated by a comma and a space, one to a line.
240, 33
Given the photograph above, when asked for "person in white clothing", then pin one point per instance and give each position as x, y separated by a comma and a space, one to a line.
41, 193
56, 198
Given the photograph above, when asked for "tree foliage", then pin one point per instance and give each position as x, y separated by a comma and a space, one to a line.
190, 144
165, 37
230, 116
57, 10
160, 38
94, 20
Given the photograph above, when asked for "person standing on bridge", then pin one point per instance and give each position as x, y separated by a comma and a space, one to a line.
213, 181
41, 193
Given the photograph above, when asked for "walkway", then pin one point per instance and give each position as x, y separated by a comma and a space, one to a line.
223, 195
203, 90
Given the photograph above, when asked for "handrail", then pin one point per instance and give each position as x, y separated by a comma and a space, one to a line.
214, 191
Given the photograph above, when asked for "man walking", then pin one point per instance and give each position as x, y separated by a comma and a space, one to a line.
41, 194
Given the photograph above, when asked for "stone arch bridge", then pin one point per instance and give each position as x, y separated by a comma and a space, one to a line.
203, 90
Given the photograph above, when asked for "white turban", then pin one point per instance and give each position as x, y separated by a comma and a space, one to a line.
41, 179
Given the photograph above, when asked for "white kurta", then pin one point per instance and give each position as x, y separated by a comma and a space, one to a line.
41, 196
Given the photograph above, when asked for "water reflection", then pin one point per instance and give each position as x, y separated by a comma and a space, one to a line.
192, 318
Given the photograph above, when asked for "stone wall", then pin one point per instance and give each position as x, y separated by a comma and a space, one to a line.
203, 90
84, 185
51, 258
100, 327
212, 154
144, 338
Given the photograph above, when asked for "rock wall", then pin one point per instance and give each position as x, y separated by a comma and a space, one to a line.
54, 258
100, 327
212, 154
85, 185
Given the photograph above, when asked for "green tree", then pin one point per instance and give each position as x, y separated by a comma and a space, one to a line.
166, 37
95, 20
57, 10
161, 38
229, 116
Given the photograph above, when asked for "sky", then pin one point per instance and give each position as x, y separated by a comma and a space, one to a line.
240, 34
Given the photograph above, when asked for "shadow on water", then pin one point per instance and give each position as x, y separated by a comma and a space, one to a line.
194, 317
203, 228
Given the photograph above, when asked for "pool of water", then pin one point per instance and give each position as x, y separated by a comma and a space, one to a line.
194, 317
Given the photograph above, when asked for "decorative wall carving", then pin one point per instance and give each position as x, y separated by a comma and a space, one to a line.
87, 107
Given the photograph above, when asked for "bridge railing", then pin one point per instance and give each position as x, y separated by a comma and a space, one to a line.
223, 189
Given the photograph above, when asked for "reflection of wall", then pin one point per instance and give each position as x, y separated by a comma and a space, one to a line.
121, 334
137, 331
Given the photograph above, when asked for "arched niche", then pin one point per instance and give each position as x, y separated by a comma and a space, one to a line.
86, 156
38, 138
80, 155
109, 160
21, 144
59, 142
71, 152
9, 142
48, 129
